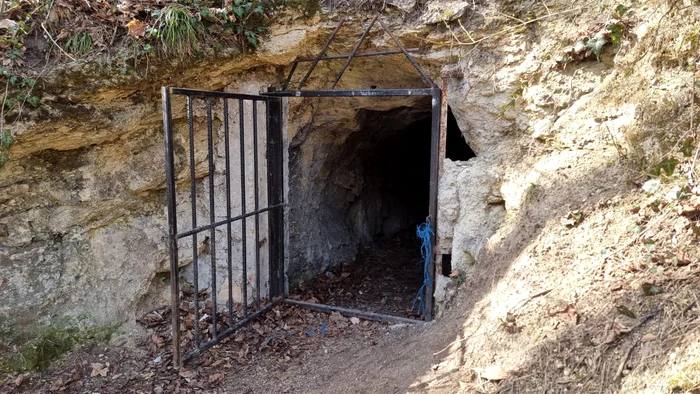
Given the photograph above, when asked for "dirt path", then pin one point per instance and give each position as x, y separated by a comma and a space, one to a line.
585, 307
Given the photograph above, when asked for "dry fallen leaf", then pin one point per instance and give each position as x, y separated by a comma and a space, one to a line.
158, 340
648, 337
454, 274
572, 219
568, 314
354, 320
99, 369
56, 385
493, 373
188, 374
19, 380
136, 28
7, 24
615, 332
217, 377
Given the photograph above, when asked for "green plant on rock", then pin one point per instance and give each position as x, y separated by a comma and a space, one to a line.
50, 344
18, 93
6, 142
612, 33
79, 44
307, 7
17, 96
248, 22
176, 28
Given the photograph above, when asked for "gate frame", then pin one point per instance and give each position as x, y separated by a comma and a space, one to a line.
437, 120
275, 209
276, 201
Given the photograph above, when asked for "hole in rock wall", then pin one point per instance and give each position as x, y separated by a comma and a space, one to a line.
456, 147
446, 264
356, 197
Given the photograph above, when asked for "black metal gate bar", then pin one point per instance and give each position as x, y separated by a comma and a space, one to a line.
275, 192
432, 199
353, 93
244, 232
275, 205
193, 198
212, 215
257, 204
229, 251
354, 51
172, 222
351, 312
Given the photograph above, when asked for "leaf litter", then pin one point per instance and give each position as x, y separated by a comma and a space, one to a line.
286, 334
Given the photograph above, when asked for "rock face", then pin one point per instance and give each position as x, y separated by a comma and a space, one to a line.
82, 207
471, 208
83, 222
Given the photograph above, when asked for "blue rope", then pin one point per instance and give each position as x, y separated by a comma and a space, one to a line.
424, 232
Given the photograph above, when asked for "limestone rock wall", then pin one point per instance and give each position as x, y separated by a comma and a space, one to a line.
82, 209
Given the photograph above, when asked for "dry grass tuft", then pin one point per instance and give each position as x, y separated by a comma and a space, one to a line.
687, 378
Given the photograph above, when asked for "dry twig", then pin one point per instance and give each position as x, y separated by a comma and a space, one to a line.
55, 43
625, 358
507, 30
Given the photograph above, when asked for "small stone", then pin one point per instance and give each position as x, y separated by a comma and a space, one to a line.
354, 320
648, 337
403, 5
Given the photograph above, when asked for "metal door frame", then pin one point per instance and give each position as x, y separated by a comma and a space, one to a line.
275, 211
275, 178
439, 118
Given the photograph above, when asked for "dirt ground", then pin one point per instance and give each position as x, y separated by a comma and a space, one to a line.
270, 354
555, 308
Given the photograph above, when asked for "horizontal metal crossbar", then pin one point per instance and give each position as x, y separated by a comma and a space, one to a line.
362, 54
226, 221
352, 312
226, 333
353, 93
209, 93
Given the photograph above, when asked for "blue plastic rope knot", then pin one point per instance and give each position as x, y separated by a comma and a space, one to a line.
424, 232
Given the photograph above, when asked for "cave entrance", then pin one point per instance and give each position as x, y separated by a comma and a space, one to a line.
215, 141
398, 176
369, 195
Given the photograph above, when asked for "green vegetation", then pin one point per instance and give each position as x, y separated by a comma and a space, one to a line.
16, 96
307, 7
176, 30
50, 345
245, 26
6, 141
80, 44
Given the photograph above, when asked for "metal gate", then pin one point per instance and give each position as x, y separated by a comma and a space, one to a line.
225, 198
224, 162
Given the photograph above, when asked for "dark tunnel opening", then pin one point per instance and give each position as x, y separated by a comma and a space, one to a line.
456, 147
400, 166
375, 192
